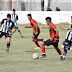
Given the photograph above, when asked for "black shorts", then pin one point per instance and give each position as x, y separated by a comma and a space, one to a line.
49, 42
6, 34
15, 27
35, 36
67, 44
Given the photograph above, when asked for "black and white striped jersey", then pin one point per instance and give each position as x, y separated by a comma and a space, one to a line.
6, 26
69, 35
13, 17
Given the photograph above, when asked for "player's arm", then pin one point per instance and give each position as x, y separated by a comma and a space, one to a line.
36, 30
16, 18
12, 31
64, 28
57, 32
0, 24
28, 26
45, 27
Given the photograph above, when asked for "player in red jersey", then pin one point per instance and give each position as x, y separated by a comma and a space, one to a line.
36, 30
54, 38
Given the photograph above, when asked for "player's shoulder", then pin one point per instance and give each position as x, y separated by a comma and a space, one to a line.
52, 24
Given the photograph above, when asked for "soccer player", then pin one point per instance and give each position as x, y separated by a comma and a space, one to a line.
14, 18
36, 30
6, 30
54, 38
67, 43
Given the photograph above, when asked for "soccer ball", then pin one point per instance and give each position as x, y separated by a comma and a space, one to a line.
35, 56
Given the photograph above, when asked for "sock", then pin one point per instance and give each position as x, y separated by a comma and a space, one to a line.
65, 52
38, 40
43, 49
59, 52
8, 45
20, 32
37, 43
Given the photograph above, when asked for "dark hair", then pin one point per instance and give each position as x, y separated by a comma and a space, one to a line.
14, 10
29, 15
48, 18
8, 15
71, 16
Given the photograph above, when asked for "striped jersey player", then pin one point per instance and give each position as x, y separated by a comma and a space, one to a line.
14, 18
6, 30
67, 43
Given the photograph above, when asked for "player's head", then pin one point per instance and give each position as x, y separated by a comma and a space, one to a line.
48, 20
29, 16
14, 11
71, 19
8, 17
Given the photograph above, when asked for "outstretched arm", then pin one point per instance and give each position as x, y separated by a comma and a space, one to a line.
64, 28
28, 26
45, 27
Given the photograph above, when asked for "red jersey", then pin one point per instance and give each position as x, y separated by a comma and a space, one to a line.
54, 37
33, 23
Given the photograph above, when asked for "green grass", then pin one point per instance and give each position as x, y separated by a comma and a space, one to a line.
20, 57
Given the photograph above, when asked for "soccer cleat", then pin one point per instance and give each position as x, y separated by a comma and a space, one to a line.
22, 36
61, 58
37, 48
43, 56
70, 49
7, 50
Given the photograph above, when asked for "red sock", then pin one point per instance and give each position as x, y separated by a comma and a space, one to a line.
37, 44
59, 52
38, 40
43, 49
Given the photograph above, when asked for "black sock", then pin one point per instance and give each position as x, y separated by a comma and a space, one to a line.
65, 52
20, 32
8, 45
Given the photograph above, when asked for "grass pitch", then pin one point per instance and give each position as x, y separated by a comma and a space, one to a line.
20, 57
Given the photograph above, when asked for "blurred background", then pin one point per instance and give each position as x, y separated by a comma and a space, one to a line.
36, 5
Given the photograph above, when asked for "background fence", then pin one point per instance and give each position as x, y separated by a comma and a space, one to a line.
35, 5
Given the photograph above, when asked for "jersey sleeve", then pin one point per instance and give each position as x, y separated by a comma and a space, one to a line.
2, 21
33, 22
12, 25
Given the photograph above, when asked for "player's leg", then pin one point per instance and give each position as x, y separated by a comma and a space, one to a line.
66, 46
8, 43
8, 38
58, 50
19, 32
47, 42
34, 38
